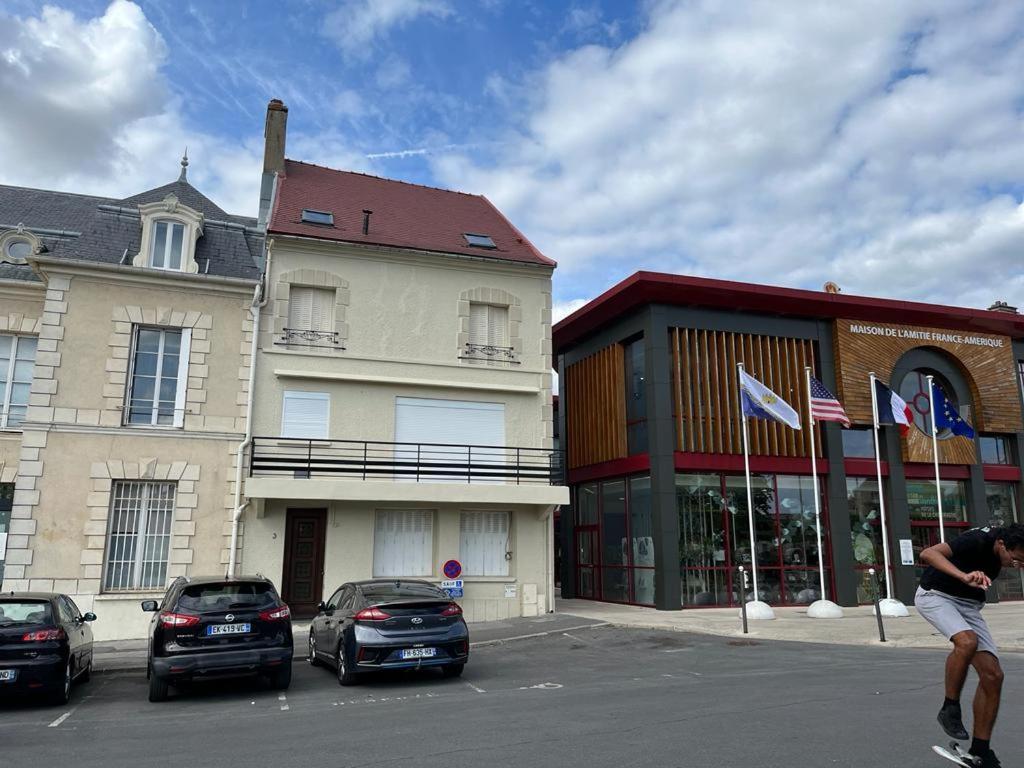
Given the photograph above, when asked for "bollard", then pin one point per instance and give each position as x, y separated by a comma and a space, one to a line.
878, 608
743, 597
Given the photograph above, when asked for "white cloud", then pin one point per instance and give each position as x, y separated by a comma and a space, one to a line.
876, 144
356, 25
87, 109
563, 309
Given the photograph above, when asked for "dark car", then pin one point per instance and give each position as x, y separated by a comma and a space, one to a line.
367, 626
45, 644
217, 627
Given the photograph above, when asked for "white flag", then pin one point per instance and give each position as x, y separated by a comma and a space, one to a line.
761, 403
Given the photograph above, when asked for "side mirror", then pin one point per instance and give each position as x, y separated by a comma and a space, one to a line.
150, 606
90, 616
321, 607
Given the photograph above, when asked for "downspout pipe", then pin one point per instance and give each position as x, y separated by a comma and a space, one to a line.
259, 300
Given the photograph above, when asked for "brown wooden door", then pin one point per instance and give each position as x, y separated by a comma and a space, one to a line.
303, 582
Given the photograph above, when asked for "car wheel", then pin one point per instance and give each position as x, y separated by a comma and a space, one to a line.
311, 656
157, 687
453, 670
281, 678
345, 676
62, 695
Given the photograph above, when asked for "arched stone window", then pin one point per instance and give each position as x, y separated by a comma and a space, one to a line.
310, 310
490, 320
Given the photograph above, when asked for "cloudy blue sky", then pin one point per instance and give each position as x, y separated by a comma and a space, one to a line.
876, 144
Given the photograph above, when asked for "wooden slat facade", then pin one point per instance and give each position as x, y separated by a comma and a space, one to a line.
705, 391
596, 414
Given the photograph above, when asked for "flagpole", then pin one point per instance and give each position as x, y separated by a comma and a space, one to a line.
817, 492
881, 490
750, 499
935, 454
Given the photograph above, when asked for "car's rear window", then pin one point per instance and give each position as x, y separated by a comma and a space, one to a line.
380, 593
225, 597
24, 612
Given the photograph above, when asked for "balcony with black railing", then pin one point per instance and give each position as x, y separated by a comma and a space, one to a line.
489, 353
366, 460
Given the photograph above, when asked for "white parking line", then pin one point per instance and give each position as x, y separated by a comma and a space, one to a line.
577, 639
475, 688
284, 702
61, 719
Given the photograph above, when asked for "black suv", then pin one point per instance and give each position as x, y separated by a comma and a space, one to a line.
212, 627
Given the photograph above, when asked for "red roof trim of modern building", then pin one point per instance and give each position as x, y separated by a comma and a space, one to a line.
643, 288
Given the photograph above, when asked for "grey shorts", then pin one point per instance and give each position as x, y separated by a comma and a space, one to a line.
951, 615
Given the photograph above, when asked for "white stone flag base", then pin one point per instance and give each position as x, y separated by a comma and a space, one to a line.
892, 608
824, 609
757, 610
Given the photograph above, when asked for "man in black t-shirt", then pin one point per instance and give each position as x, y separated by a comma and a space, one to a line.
951, 596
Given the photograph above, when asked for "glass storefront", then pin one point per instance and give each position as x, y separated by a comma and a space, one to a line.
863, 506
715, 538
614, 541
1002, 510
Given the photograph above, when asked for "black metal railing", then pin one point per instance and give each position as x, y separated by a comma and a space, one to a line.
489, 352
404, 462
305, 336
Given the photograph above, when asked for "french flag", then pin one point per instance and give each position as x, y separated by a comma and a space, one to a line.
892, 409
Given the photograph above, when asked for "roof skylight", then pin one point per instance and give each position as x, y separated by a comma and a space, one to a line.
317, 217
479, 241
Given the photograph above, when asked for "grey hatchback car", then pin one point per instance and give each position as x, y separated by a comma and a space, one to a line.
367, 626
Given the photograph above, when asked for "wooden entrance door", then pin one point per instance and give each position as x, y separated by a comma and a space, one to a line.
303, 582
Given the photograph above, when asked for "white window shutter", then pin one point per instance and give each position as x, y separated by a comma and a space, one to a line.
179, 396
300, 308
322, 313
484, 540
306, 415
478, 324
497, 326
403, 542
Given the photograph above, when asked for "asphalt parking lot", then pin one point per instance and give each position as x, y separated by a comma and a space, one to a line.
593, 697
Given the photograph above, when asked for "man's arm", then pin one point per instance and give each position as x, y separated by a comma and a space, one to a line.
938, 557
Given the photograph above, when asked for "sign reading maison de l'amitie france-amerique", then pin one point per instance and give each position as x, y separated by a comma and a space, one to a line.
921, 335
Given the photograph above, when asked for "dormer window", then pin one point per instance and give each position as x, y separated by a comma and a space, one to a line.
170, 230
168, 242
16, 245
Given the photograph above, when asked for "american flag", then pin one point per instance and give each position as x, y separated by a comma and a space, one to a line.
825, 406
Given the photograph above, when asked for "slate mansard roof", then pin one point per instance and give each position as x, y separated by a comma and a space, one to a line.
101, 229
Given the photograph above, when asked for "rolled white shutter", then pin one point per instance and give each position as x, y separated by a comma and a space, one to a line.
322, 310
478, 320
306, 415
497, 326
483, 543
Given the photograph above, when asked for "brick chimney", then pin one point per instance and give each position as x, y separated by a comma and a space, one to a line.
1002, 306
274, 132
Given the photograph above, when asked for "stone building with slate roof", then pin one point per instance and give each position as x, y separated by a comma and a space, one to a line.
125, 351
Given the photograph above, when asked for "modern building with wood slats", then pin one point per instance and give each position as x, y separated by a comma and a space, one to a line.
650, 422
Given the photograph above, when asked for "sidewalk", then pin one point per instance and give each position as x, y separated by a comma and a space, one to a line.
118, 655
857, 627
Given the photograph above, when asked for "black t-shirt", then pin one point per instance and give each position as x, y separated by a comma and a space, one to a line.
972, 551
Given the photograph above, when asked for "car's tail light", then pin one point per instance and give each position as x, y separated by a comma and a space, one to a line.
169, 619
453, 609
276, 614
43, 635
372, 614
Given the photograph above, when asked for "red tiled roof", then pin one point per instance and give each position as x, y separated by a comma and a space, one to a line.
643, 288
404, 215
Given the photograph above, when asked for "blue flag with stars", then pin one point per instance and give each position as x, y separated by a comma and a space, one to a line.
946, 416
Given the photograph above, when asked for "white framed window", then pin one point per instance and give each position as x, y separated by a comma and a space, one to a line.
488, 325
138, 536
306, 415
168, 245
403, 542
310, 315
159, 376
484, 543
17, 359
